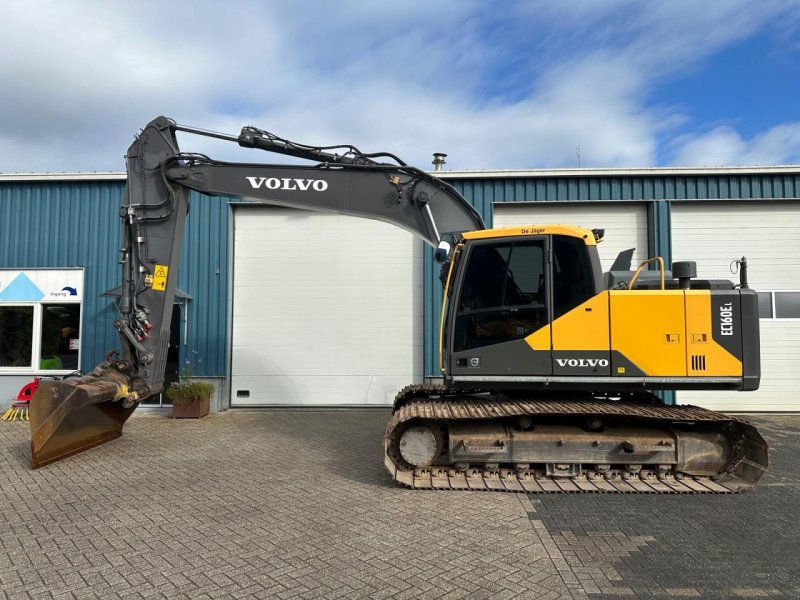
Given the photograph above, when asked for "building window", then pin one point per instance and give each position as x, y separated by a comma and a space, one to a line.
16, 336
787, 305
40, 337
779, 305
765, 305
40, 321
60, 337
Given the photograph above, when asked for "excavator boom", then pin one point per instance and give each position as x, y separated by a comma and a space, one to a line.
77, 413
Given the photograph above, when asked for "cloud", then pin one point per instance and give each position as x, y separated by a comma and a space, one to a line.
524, 86
723, 145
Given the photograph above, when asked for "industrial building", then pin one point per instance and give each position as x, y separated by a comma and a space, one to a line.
282, 307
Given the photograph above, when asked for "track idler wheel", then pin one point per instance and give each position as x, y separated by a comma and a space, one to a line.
420, 444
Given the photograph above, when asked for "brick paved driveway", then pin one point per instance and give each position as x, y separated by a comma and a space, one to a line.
297, 504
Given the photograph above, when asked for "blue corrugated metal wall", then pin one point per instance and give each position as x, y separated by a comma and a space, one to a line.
658, 190
76, 224
204, 276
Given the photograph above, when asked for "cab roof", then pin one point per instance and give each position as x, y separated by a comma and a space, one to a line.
569, 230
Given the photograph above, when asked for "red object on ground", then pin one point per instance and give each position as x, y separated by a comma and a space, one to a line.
27, 391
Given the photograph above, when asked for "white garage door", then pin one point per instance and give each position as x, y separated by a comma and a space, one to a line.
625, 223
714, 234
327, 309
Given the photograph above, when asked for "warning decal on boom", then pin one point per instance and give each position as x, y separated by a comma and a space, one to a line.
160, 278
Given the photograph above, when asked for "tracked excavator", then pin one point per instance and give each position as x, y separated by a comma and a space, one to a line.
550, 366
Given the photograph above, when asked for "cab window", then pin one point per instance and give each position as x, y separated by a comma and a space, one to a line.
573, 283
503, 294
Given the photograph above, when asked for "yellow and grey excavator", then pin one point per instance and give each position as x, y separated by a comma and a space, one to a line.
550, 366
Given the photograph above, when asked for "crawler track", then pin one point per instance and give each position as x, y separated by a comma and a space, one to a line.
436, 404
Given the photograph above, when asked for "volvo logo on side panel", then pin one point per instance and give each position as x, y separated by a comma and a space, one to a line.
288, 183
582, 362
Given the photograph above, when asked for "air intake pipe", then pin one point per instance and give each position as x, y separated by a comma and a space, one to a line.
684, 271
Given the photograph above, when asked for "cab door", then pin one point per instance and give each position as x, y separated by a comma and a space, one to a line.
502, 298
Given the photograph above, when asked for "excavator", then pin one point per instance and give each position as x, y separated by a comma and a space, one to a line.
551, 368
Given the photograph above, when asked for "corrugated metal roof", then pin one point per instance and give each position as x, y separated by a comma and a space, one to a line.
617, 172
479, 173
94, 176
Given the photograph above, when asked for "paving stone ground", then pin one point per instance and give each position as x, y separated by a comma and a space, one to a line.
295, 504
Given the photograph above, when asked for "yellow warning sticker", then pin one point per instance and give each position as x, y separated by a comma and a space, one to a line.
160, 278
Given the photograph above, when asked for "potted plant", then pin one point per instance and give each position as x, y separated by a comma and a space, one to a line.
190, 399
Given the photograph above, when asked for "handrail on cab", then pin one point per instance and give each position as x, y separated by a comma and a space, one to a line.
642, 265
456, 252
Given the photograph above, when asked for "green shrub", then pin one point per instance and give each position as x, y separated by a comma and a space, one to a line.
187, 391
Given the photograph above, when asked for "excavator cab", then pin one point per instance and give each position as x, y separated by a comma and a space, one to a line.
529, 308
508, 285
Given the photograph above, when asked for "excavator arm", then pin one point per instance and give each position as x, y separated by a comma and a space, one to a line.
77, 413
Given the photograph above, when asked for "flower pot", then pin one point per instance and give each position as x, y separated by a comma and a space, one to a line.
193, 409
191, 399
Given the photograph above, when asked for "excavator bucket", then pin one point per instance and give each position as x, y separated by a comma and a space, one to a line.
73, 415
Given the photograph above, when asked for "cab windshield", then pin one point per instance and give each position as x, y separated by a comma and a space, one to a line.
503, 295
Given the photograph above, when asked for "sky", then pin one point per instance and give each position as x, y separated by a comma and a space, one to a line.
493, 84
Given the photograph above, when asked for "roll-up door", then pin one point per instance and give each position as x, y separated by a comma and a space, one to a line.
625, 223
327, 309
716, 233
